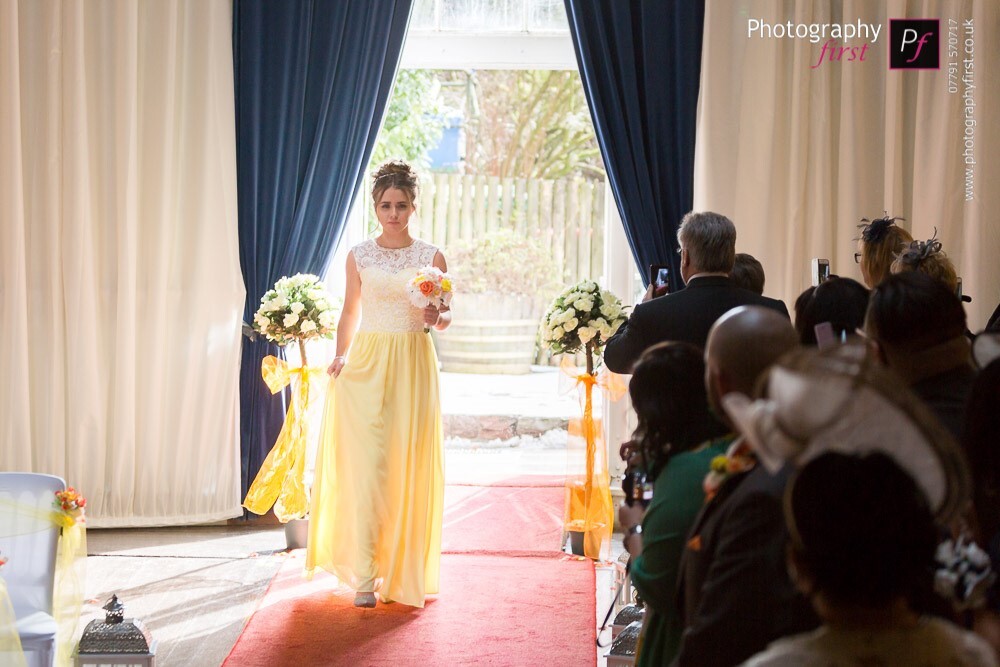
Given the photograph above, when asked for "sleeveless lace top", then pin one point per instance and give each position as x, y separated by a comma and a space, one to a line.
385, 272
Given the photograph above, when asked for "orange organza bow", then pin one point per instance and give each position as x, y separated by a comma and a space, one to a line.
588, 494
281, 479
612, 383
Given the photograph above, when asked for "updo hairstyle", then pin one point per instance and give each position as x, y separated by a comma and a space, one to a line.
927, 257
394, 174
881, 241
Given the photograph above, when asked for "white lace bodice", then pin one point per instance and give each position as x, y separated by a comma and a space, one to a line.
385, 303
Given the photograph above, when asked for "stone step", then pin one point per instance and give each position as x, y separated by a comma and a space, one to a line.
498, 427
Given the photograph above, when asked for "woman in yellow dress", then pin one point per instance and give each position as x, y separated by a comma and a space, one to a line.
377, 496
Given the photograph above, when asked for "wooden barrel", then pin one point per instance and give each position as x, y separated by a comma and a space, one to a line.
490, 334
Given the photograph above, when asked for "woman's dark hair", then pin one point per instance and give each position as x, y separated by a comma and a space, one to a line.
748, 273
913, 311
982, 424
862, 529
840, 301
668, 394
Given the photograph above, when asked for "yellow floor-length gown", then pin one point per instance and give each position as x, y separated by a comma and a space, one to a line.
377, 496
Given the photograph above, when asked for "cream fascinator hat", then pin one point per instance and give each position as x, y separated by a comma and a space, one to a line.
839, 400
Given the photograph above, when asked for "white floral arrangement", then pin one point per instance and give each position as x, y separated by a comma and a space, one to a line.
583, 315
298, 308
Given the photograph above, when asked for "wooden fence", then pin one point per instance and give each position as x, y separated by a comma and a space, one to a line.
566, 216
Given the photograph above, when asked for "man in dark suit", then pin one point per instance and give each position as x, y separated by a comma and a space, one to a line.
708, 250
733, 589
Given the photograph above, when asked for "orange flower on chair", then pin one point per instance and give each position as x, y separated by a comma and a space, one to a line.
71, 502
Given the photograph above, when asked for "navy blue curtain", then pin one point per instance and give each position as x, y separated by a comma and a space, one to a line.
312, 81
640, 62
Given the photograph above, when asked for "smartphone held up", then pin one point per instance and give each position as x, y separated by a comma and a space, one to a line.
659, 278
819, 270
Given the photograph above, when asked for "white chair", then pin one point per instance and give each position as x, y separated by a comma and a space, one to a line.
30, 545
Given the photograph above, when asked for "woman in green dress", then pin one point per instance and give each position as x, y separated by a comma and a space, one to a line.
674, 443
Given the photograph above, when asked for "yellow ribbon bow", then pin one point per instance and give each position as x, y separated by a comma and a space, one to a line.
281, 479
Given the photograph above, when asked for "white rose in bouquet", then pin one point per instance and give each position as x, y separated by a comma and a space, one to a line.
297, 309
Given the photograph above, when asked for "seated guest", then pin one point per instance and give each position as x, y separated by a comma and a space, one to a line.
881, 240
840, 301
982, 424
748, 273
916, 326
708, 248
734, 589
865, 559
927, 257
668, 395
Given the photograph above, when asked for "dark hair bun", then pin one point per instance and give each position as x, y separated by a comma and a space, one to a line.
398, 168
394, 174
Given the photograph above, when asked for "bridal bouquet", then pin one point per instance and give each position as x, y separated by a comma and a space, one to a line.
298, 308
583, 316
430, 287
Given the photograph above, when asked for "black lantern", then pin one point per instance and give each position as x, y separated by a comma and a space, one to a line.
116, 640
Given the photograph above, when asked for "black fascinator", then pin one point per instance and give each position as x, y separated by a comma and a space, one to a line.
918, 251
873, 231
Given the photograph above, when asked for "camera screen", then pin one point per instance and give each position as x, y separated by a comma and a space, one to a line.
661, 280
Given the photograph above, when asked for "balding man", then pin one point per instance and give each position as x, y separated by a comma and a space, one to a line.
708, 250
734, 591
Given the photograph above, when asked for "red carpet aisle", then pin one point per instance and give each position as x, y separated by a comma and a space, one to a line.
508, 519
508, 596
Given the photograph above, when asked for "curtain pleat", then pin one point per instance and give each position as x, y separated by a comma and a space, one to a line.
312, 82
639, 63
796, 155
121, 292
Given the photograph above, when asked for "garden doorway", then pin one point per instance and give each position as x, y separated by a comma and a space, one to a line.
489, 105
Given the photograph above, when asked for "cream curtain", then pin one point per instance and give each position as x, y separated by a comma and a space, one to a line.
120, 290
796, 155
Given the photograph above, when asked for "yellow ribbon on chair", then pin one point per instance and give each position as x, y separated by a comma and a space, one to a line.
588, 495
11, 652
281, 479
68, 588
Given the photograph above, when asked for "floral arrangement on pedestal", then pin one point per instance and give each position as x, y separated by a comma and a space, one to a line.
584, 317
298, 309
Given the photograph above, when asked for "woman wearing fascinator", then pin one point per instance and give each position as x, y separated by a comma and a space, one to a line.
927, 257
877, 478
880, 242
